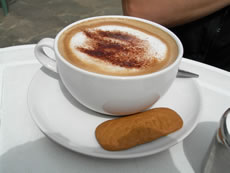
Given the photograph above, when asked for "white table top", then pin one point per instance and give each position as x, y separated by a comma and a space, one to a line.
23, 148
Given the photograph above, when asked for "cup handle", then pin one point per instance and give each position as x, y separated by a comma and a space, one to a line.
41, 55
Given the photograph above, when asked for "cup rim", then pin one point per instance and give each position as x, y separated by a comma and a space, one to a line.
164, 70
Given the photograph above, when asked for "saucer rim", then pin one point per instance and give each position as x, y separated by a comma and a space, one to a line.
109, 154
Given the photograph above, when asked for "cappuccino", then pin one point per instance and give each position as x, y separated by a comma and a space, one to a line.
118, 47
110, 63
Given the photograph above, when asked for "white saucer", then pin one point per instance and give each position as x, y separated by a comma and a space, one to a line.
67, 122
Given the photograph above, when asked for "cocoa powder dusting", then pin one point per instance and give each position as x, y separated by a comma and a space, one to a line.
115, 47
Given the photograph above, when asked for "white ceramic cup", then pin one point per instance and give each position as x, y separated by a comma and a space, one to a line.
113, 95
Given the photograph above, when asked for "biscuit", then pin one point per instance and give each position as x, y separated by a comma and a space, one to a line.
126, 132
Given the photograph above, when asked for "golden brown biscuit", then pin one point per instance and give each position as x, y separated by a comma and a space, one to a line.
126, 132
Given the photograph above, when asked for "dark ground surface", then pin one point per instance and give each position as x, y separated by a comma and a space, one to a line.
28, 21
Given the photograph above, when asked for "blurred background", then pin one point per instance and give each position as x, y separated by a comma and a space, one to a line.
30, 20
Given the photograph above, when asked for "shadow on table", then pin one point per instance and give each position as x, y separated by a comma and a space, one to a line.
196, 145
45, 156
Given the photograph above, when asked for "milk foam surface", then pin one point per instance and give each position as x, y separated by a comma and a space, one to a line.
155, 49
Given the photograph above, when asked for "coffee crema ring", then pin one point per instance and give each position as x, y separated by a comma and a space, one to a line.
118, 48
